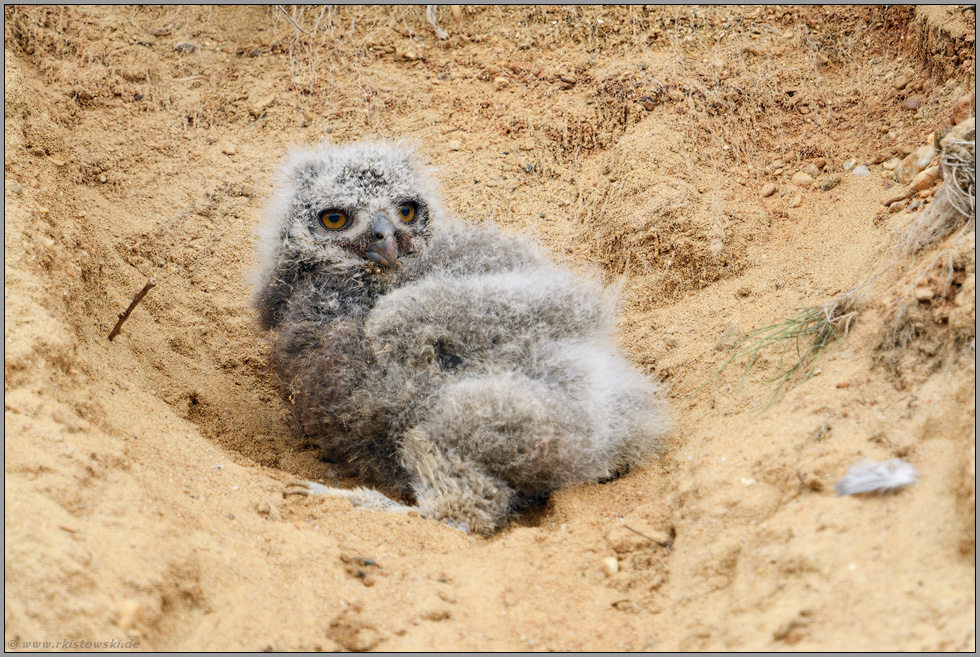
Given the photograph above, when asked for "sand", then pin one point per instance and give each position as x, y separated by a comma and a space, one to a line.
144, 476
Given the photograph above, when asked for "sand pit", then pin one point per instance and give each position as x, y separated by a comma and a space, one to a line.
658, 147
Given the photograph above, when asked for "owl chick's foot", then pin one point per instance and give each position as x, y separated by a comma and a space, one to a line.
452, 490
362, 498
457, 524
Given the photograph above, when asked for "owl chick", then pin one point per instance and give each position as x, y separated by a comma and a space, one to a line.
450, 364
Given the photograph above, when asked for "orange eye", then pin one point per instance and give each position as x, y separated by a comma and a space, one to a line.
406, 212
334, 219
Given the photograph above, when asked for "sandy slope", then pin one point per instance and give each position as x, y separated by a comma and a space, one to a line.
143, 477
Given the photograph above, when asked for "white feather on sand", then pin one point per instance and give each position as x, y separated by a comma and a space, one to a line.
870, 477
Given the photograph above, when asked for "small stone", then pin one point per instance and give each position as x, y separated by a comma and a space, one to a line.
802, 179
409, 53
454, 145
914, 162
889, 165
812, 170
185, 47
897, 195
675, 95
55, 161
610, 566
900, 82
925, 179
257, 107
797, 200
965, 107
960, 133
65, 418
860, 170
767, 190
102, 178
500, 81
129, 612
924, 294
820, 163
229, 149
15, 188
268, 510
912, 102
849, 165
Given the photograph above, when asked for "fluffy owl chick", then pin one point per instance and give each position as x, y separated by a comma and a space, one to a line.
450, 364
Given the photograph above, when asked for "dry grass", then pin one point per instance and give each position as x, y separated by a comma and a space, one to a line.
953, 210
955, 203
800, 340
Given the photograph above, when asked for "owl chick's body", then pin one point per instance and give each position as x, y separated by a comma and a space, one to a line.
449, 363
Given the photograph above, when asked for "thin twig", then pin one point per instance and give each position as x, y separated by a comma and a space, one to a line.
290, 19
123, 315
206, 252
650, 538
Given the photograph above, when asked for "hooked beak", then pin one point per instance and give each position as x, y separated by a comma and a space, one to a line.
385, 250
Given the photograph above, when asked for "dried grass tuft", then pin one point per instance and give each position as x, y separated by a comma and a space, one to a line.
954, 205
809, 331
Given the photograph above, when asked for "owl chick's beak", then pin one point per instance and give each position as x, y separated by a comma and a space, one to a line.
385, 251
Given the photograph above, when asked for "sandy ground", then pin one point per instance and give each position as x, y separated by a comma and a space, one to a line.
143, 476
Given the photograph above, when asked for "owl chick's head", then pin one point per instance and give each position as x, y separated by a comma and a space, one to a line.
367, 205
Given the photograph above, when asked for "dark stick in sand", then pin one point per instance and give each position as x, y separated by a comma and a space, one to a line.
123, 315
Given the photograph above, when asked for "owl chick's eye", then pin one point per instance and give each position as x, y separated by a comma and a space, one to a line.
406, 212
334, 219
